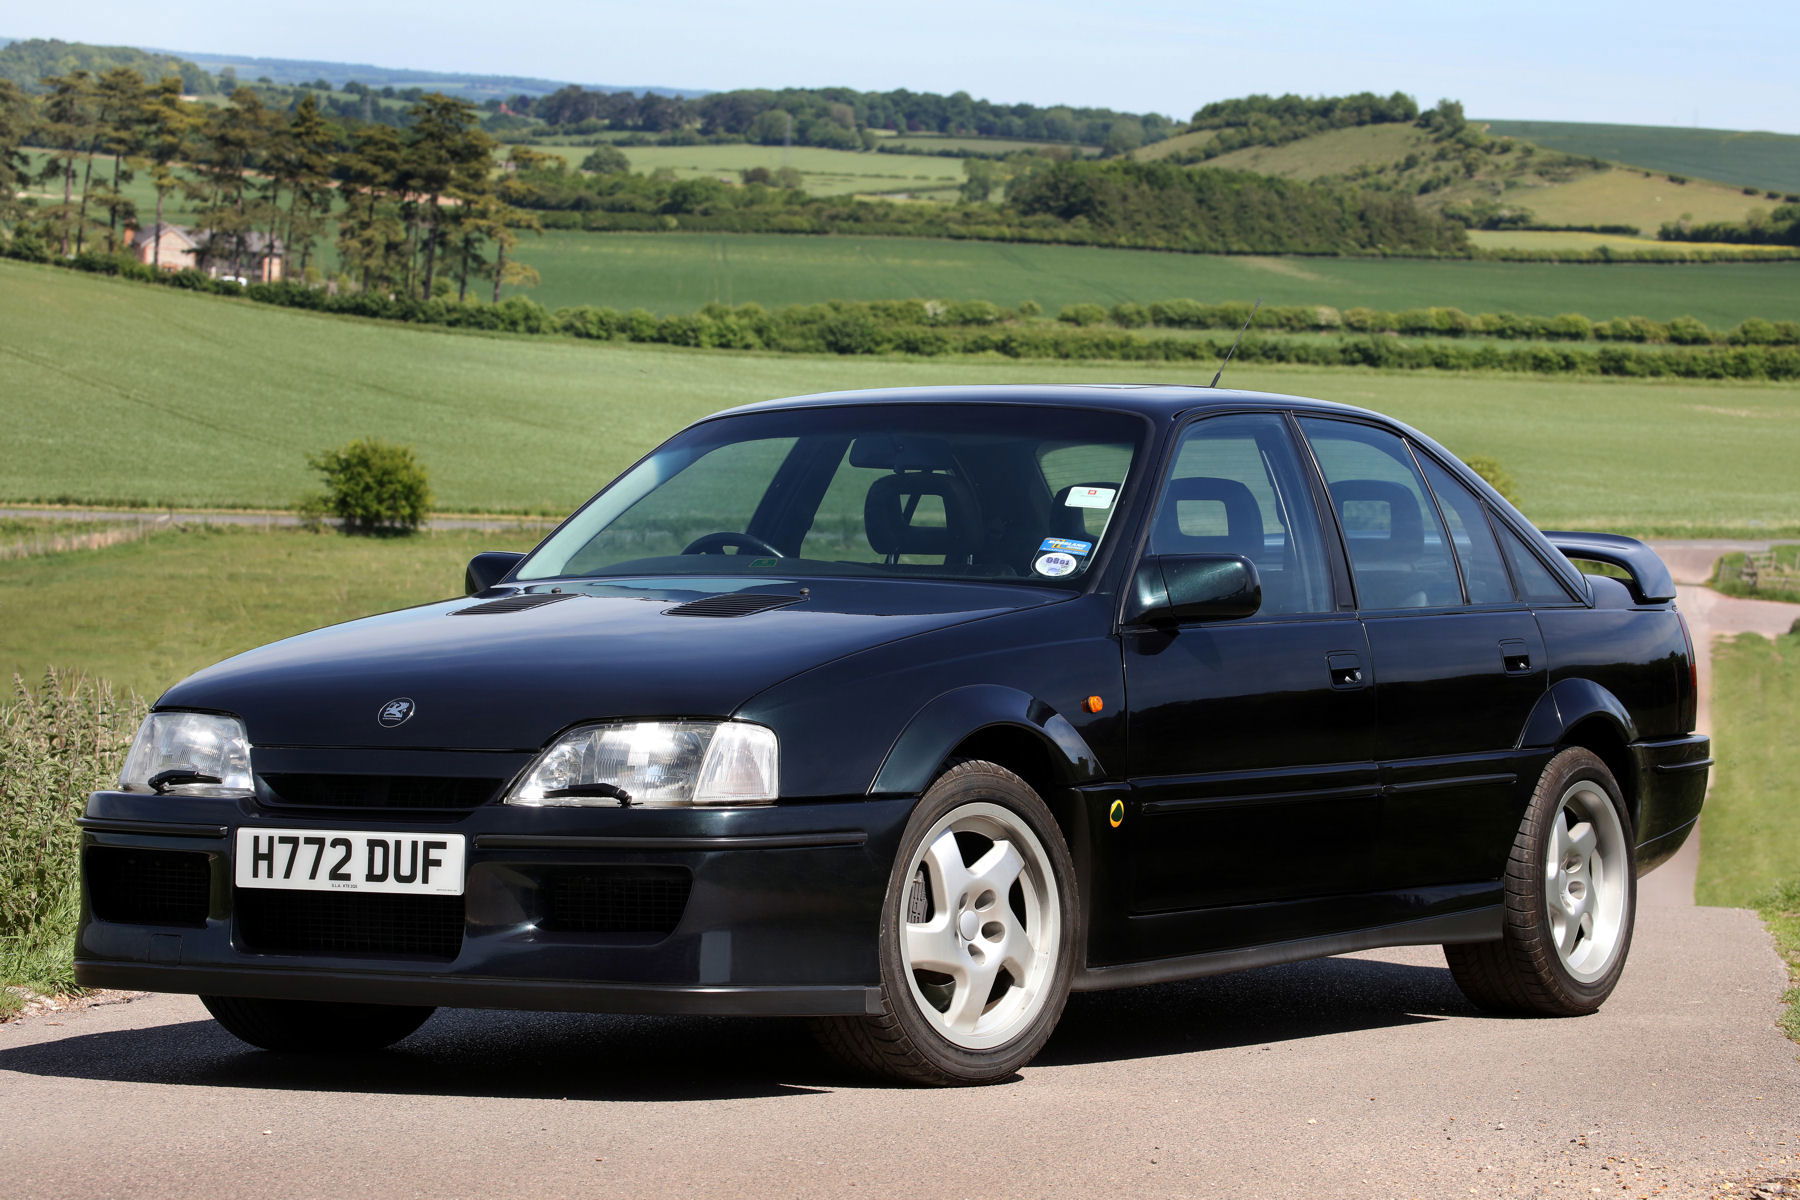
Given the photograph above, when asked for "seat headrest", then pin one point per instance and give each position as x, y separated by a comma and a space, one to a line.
892, 504
1243, 518
1405, 539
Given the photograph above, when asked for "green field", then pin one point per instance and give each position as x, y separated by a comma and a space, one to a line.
123, 392
1750, 847
156, 627
1764, 160
1625, 197
1557, 239
824, 172
679, 272
1336, 152
1752, 838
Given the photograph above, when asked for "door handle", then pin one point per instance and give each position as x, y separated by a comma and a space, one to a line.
1515, 657
1346, 670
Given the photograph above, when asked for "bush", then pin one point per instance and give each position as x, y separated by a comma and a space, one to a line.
606, 160
1496, 475
372, 486
1082, 314
57, 744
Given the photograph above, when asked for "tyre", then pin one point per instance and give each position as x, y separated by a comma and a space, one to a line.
1570, 899
978, 941
314, 1026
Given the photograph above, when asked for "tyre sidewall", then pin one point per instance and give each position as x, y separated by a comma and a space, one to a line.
964, 784
1562, 772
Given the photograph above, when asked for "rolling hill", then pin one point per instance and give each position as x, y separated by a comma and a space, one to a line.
1770, 161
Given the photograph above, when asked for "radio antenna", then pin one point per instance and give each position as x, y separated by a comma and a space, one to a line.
1234, 345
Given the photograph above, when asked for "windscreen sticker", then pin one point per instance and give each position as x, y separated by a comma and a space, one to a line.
1073, 546
1091, 497
1055, 565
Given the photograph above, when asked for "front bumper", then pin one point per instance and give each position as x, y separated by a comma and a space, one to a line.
780, 913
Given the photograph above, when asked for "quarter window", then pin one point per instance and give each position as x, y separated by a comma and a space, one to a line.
1399, 554
1237, 488
1483, 572
1536, 582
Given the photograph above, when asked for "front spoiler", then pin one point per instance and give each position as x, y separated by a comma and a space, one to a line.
451, 991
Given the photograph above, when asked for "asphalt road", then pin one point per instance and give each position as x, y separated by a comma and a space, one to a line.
1365, 1076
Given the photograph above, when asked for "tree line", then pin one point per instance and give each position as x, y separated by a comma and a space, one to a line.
411, 210
1762, 227
834, 117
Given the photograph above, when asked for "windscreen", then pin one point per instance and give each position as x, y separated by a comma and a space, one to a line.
1002, 493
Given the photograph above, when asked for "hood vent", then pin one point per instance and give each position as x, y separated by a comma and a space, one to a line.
731, 604
514, 603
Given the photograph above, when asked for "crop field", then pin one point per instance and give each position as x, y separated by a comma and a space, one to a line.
119, 392
679, 272
1621, 196
1765, 160
824, 172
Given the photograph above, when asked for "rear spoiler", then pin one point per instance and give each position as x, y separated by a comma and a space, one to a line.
1650, 582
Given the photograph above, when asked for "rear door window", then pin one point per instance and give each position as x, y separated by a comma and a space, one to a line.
1399, 553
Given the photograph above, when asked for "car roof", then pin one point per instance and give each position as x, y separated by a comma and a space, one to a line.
1150, 400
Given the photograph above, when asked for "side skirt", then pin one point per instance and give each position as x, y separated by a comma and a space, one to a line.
1473, 925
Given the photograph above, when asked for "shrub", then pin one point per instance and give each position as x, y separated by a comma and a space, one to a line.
1497, 476
372, 486
1686, 331
1131, 315
1082, 314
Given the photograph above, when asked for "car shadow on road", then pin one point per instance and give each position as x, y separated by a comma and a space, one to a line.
1252, 1008
586, 1057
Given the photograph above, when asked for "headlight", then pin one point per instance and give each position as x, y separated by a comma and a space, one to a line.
655, 763
189, 754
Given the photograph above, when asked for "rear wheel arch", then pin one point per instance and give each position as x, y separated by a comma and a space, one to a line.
1580, 712
1602, 737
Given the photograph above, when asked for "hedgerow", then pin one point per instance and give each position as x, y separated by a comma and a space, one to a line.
1427, 338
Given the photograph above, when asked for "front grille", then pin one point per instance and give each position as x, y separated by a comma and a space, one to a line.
274, 921
148, 887
379, 791
641, 900
731, 604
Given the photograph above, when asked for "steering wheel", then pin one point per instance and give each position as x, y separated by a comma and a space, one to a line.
715, 543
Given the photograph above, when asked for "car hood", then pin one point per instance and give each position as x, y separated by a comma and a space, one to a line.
510, 679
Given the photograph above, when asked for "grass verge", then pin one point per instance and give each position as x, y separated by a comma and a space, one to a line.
145, 614
60, 738
1750, 855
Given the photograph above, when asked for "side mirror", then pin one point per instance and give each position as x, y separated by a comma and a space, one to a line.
1193, 587
485, 570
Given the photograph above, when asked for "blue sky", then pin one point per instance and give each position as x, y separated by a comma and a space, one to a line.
1649, 63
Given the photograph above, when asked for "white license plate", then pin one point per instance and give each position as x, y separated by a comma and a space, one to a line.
330, 860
